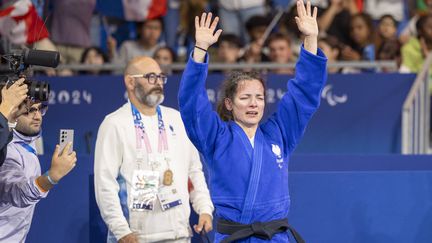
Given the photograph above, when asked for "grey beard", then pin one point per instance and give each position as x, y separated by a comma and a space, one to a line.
150, 100
153, 100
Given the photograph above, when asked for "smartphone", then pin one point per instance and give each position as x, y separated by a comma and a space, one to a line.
66, 136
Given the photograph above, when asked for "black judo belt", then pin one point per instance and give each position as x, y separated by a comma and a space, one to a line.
262, 230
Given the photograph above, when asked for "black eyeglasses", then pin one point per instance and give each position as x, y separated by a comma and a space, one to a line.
152, 78
32, 110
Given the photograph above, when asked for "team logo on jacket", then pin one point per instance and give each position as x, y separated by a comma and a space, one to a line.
172, 130
278, 153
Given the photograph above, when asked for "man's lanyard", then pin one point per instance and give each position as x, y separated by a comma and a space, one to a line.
141, 134
28, 147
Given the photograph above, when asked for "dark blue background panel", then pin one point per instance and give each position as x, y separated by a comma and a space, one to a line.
359, 113
338, 199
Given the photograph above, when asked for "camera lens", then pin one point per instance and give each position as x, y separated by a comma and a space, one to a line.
38, 90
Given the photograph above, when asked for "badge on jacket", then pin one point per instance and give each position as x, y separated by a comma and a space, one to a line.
278, 153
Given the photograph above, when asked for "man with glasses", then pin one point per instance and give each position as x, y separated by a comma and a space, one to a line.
21, 182
146, 169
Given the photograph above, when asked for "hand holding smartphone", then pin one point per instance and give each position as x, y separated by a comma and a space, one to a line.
66, 136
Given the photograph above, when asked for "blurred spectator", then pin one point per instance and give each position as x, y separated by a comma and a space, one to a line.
390, 50
165, 56
387, 27
229, 48
289, 27
149, 33
234, 14
416, 49
411, 30
387, 43
335, 19
188, 10
171, 22
362, 35
332, 49
377, 8
256, 26
254, 52
94, 56
70, 22
280, 51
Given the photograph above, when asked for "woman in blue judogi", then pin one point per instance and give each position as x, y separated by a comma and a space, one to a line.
248, 161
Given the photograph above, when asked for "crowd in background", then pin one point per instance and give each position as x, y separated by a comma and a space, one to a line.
83, 31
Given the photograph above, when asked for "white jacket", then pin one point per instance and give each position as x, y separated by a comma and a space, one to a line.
115, 161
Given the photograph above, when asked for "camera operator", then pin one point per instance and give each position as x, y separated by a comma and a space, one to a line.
11, 107
21, 182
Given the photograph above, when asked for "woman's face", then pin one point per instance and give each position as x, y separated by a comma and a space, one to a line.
248, 104
359, 31
163, 57
387, 28
93, 57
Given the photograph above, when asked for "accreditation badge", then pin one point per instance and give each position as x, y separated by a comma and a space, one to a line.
145, 184
169, 198
155, 160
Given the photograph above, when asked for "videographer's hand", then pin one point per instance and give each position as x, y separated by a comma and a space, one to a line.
12, 98
62, 162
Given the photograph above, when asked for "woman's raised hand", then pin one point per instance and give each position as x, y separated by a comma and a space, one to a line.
205, 34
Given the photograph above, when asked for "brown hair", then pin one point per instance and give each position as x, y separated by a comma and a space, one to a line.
279, 36
229, 89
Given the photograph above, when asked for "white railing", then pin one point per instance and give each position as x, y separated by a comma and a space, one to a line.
416, 114
388, 65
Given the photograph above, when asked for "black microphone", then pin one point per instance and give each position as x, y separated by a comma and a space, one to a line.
41, 58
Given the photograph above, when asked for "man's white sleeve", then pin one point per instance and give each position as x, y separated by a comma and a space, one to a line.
108, 159
199, 196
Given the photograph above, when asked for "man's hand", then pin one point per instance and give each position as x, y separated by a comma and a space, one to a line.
62, 162
130, 238
12, 97
204, 221
205, 35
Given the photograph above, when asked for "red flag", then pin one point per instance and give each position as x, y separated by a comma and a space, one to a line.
21, 24
140, 10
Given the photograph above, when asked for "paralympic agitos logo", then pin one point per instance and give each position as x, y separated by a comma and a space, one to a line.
333, 99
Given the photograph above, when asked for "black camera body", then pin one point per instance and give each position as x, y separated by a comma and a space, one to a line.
19, 61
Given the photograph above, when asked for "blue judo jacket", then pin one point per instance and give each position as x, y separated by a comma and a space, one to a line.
249, 184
